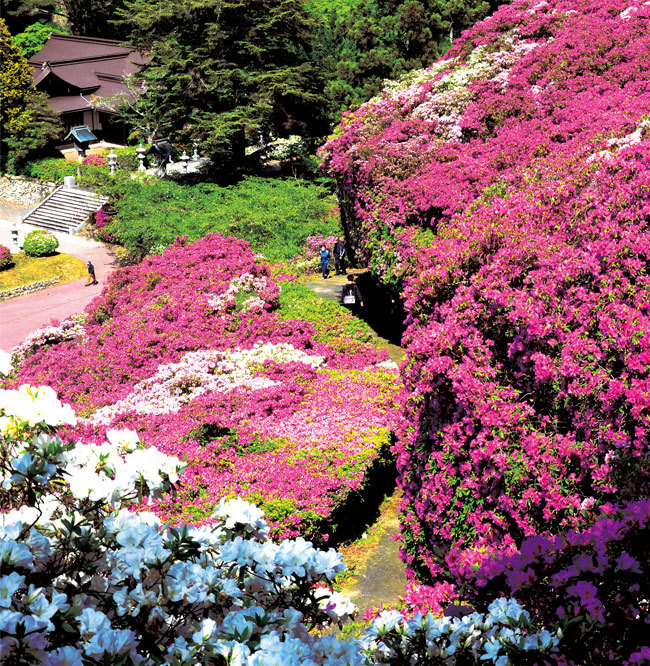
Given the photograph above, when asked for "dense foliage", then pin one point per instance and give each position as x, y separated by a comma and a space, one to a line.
6, 260
27, 123
195, 351
228, 76
274, 216
375, 40
40, 243
506, 191
85, 581
33, 38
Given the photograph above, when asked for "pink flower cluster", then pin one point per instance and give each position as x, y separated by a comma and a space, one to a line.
256, 407
506, 192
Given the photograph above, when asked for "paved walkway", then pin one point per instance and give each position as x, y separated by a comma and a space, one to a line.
381, 577
20, 316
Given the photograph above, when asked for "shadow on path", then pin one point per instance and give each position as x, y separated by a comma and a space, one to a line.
380, 575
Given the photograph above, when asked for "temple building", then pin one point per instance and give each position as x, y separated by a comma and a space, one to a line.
76, 72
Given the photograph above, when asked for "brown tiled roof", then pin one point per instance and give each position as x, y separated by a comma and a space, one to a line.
89, 64
71, 47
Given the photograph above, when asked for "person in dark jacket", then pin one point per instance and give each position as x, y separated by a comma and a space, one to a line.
324, 260
339, 257
351, 296
91, 274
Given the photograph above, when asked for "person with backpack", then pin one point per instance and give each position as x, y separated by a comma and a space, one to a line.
351, 296
92, 279
324, 260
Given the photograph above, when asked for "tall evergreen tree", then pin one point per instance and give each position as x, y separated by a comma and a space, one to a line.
382, 39
27, 123
229, 71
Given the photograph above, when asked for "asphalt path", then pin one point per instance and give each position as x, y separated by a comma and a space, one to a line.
25, 314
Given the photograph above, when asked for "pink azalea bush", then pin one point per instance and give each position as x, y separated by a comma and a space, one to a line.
95, 160
192, 350
6, 260
506, 192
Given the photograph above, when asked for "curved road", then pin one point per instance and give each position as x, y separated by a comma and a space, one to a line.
20, 316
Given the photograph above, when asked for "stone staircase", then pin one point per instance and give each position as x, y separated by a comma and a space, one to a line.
65, 210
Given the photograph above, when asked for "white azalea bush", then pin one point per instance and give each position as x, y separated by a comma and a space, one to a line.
84, 580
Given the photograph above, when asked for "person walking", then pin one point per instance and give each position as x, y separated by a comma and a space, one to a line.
350, 296
91, 274
339, 257
324, 260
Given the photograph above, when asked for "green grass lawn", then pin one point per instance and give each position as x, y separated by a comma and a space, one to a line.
33, 269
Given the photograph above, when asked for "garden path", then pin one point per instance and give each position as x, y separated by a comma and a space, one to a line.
379, 575
23, 315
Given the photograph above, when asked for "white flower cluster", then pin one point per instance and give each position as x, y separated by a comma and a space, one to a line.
201, 372
81, 584
242, 284
34, 405
67, 330
450, 96
640, 133
505, 630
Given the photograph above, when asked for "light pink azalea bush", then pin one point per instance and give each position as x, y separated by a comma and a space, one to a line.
506, 192
191, 350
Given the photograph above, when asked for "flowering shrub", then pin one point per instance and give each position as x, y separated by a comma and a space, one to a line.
95, 160
505, 191
6, 260
593, 585
84, 580
197, 352
102, 220
40, 243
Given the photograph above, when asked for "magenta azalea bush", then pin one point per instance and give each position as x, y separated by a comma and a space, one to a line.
6, 260
506, 192
191, 350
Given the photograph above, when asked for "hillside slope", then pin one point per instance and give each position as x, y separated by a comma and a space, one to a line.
506, 192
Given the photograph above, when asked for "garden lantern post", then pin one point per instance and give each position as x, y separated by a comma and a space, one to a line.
112, 161
185, 161
140, 151
14, 238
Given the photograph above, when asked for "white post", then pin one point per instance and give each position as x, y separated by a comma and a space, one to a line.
195, 155
140, 151
185, 160
14, 238
112, 161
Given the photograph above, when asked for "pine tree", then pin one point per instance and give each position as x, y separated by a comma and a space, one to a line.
228, 71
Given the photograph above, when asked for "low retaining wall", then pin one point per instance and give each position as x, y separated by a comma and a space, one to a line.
22, 191
28, 288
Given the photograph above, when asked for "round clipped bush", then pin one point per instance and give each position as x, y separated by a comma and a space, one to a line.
40, 243
6, 260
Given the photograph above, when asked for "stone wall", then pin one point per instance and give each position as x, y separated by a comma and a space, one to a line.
27, 288
22, 191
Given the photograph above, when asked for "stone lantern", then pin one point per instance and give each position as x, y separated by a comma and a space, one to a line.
14, 238
185, 161
112, 161
140, 152
195, 155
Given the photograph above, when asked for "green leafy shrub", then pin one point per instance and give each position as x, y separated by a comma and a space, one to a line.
127, 160
40, 243
333, 322
6, 260
50, 169
94, 176
274, 216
